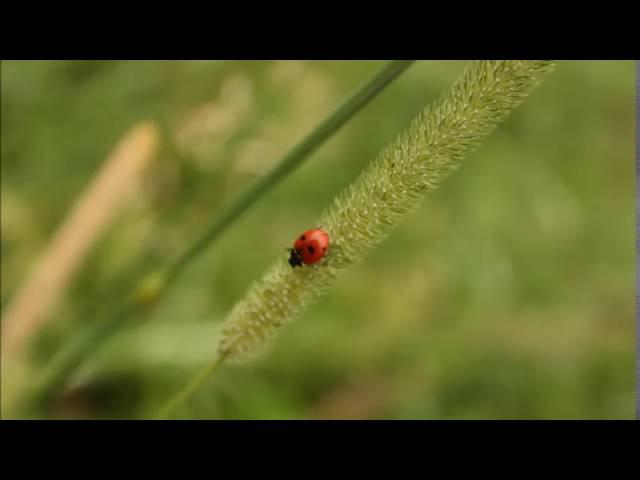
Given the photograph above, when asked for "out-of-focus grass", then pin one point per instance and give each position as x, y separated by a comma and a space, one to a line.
507, 295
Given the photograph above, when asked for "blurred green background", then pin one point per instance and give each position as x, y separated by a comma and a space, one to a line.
509, 294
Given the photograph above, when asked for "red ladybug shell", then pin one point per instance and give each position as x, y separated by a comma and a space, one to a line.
311, 246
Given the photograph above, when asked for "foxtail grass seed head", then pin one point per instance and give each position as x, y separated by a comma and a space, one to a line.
389, 188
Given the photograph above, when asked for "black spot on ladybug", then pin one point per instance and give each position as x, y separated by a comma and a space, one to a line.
303, 238
324, 249
310, 248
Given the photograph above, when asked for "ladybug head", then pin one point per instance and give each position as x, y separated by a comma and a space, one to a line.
294, 258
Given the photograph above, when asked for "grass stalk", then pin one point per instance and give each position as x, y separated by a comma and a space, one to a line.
186, 393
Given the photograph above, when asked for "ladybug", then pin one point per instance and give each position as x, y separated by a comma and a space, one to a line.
309, 248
